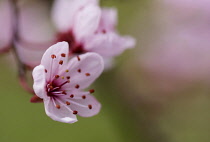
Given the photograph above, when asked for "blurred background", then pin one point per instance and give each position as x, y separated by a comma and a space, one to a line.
157, 92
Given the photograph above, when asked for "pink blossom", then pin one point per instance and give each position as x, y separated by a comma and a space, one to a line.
6, 24
60, 83
180, 56
81, 23
87, 28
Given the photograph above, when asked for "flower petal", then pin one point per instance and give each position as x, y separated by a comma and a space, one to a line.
109, 44
55, 58
64, 12
64, 114
6, 24
31, 53
39, 81
84, 71
35, 24
87, 21
86, 105
108, 19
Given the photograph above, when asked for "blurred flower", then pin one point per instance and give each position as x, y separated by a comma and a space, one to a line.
180, 55
60, 83
83, 24
35, 31
87, 27
6, 24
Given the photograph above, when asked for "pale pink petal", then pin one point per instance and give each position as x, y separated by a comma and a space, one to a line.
31, 53
53, 61
108, 20
39, 81
85, 104
6, 24
34, 22
64, 114
109, 44
84, 71
64, 12
86, 22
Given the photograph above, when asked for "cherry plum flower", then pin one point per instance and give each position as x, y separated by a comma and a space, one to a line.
60, 83
81, 23
179, 58
88, 28
6, 24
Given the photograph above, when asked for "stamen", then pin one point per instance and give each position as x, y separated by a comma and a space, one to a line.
75, 112
84, 97
68, 81
45, 71
61, 62
51, 87
87, 74
64, 92
67, 70
58, 106
57, 76
63, 55
72, 96
79, 70
68, 103
90, 106
62, 77
68, 77
53, 56
77, 86
78, 58
91, 90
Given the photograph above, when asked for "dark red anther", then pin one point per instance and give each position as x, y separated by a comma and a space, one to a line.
78, 58
79, 70
61, 62
72, 96
68, 103
63, 55
64, 92
58, 106
75, 112
57, 76
90, 106
77, 86
87, 74
91, 90
84, 97
53, 56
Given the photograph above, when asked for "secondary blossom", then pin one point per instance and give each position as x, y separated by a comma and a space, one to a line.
60, 83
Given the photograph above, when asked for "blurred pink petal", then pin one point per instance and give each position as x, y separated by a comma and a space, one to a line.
31, 53
86, 22
108, 20
60, 84
90, 28
6, 24
180, 55
34, 22
109, 44
64, 12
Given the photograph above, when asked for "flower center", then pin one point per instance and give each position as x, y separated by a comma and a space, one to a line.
74, 46
56, 90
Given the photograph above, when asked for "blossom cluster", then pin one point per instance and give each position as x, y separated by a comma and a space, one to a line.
82, 39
